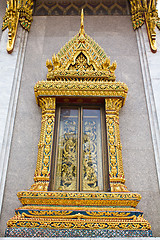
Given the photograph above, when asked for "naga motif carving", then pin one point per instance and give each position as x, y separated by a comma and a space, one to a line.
145, 11
17, 11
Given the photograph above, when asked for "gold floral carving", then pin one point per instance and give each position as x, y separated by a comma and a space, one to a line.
65, 199
116, 174
145, 11
17, 11
42, 173
82, 89
71, 215
137, 223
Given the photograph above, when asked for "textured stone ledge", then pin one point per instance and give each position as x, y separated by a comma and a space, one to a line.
119, 238
74, 233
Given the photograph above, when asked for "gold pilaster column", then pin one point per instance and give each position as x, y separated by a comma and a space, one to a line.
42, 172
116, 173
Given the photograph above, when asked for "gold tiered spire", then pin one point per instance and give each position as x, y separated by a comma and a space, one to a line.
82, 22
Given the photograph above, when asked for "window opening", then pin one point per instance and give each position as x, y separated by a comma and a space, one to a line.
78, 156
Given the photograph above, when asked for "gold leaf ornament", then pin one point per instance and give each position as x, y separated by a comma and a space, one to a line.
106, 63
49, 65
56, 62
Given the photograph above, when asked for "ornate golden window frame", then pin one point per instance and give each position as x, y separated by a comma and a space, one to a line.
113, 95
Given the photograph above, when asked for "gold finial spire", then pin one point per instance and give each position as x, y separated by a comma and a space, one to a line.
82, 22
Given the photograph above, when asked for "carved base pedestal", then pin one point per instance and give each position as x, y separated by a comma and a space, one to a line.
82, 214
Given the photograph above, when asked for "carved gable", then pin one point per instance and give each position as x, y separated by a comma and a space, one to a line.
81, 57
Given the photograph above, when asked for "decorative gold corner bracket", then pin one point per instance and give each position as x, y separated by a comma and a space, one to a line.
17, 11
145, 11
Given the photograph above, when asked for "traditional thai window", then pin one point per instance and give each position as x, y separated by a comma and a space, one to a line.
79, 155
79, 152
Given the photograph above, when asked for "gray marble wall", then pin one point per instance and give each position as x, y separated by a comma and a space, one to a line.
116, 36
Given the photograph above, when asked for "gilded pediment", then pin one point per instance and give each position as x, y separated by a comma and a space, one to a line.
81, 58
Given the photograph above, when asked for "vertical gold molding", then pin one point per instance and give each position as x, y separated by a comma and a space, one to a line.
116, 173
42, 172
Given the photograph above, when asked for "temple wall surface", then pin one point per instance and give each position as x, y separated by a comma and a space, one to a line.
116, 36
